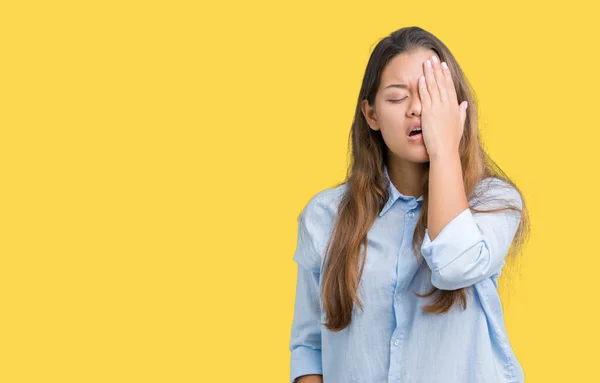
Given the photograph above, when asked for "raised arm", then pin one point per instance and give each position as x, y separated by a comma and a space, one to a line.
472, 246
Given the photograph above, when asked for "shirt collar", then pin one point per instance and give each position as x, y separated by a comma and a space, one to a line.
394, 194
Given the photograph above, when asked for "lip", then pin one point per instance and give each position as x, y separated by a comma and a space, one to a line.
418, 138
416, 124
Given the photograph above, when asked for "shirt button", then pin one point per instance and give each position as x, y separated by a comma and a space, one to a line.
396, 342
411, 214
398, 295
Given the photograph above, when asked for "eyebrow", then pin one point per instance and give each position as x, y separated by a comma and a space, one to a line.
403, 86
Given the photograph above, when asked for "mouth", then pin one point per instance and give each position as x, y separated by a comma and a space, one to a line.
414, 129
415, 132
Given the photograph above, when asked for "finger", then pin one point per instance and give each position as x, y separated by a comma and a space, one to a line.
423, 93
463, 114
449, 82
432, 88
440, 79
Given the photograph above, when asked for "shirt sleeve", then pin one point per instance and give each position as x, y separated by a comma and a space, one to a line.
472, 246
305, 343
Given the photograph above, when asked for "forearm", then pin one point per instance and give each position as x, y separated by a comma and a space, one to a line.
310, 379
447, 197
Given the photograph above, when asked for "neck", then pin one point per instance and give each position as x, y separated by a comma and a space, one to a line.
407, 176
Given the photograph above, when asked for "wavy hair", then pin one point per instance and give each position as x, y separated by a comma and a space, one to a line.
367, 190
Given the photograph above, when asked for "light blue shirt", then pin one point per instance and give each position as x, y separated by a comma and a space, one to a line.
394, 340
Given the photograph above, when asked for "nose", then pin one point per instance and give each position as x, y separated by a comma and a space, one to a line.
414, 108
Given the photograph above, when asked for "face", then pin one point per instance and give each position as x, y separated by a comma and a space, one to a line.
396, 107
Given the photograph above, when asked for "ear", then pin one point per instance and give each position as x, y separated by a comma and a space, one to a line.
369, 112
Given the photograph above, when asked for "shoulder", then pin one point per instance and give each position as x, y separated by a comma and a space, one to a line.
324, 204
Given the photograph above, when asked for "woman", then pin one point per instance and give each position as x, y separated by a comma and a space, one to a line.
398, 265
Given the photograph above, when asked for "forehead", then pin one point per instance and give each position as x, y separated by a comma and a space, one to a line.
405, 68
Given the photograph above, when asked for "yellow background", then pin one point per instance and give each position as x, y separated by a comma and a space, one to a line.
154, 157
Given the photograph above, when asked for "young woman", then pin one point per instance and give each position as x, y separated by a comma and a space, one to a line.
398, 265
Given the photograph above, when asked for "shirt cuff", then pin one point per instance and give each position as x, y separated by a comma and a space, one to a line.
459, 235
305, 361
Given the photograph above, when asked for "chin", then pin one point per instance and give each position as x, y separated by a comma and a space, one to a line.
414, 155
422, 158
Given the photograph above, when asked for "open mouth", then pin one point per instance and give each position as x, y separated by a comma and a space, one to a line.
415, 132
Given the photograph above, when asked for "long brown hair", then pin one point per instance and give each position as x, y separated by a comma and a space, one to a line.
367, 193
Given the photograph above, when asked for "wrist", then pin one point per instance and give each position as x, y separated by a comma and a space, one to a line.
444, 155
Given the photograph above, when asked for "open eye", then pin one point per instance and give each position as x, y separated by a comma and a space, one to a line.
396, 101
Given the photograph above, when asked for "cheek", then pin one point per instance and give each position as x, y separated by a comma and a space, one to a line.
393, 119
393, 113
393, 134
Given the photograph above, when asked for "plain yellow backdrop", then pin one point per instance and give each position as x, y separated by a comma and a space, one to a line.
154, 157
